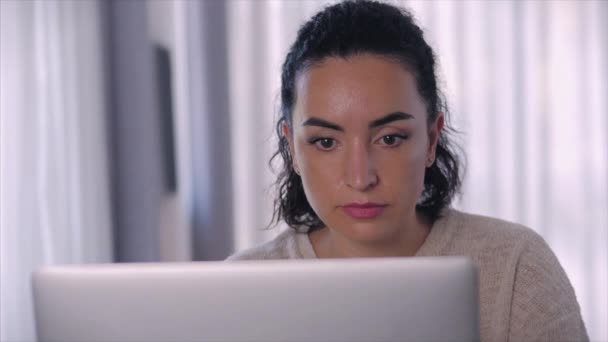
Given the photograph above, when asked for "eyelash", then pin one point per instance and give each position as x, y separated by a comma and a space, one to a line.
316, 141
400, 137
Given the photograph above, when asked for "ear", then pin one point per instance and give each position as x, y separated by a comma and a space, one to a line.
434, 133
287, 133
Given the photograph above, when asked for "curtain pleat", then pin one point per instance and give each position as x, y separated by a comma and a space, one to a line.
54, 186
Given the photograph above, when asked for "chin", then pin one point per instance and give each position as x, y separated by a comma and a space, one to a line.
371, 231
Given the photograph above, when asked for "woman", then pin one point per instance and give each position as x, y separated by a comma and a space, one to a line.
369, 171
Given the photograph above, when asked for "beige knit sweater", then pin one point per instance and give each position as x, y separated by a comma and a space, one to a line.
525, 294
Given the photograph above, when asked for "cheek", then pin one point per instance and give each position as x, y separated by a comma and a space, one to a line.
403, 173
320, 175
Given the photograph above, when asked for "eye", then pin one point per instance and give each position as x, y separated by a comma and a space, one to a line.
324, 144
392, 140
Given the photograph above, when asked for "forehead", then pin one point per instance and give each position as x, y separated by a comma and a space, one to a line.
365, 86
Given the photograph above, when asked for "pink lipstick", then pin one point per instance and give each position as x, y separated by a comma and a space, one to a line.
363, 210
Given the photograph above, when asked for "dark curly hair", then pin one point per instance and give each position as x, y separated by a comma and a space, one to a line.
345, 29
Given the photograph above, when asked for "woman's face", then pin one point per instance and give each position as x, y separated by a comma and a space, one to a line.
360, 142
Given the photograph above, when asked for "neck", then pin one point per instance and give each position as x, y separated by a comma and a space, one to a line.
328, 243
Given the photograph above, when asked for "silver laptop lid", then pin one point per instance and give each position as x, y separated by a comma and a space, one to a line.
388, 299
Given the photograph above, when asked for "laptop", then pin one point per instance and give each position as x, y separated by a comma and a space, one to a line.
386, 299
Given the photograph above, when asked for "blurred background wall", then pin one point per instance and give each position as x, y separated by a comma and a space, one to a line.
134, 131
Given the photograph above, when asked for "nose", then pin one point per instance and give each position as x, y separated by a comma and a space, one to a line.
360, 172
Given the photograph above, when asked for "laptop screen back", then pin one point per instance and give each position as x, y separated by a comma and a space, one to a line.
389, 299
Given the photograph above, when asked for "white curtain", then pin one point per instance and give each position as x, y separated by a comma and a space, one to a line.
54, 186
527, 84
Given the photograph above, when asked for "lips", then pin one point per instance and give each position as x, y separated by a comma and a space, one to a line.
363, 210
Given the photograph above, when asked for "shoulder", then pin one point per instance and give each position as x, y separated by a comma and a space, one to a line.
470, 234
518, 266
503, 244
544, 306
500, 238
493, 229
284, 246
529, 251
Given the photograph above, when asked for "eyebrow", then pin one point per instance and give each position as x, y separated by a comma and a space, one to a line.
390, 118
376, 123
